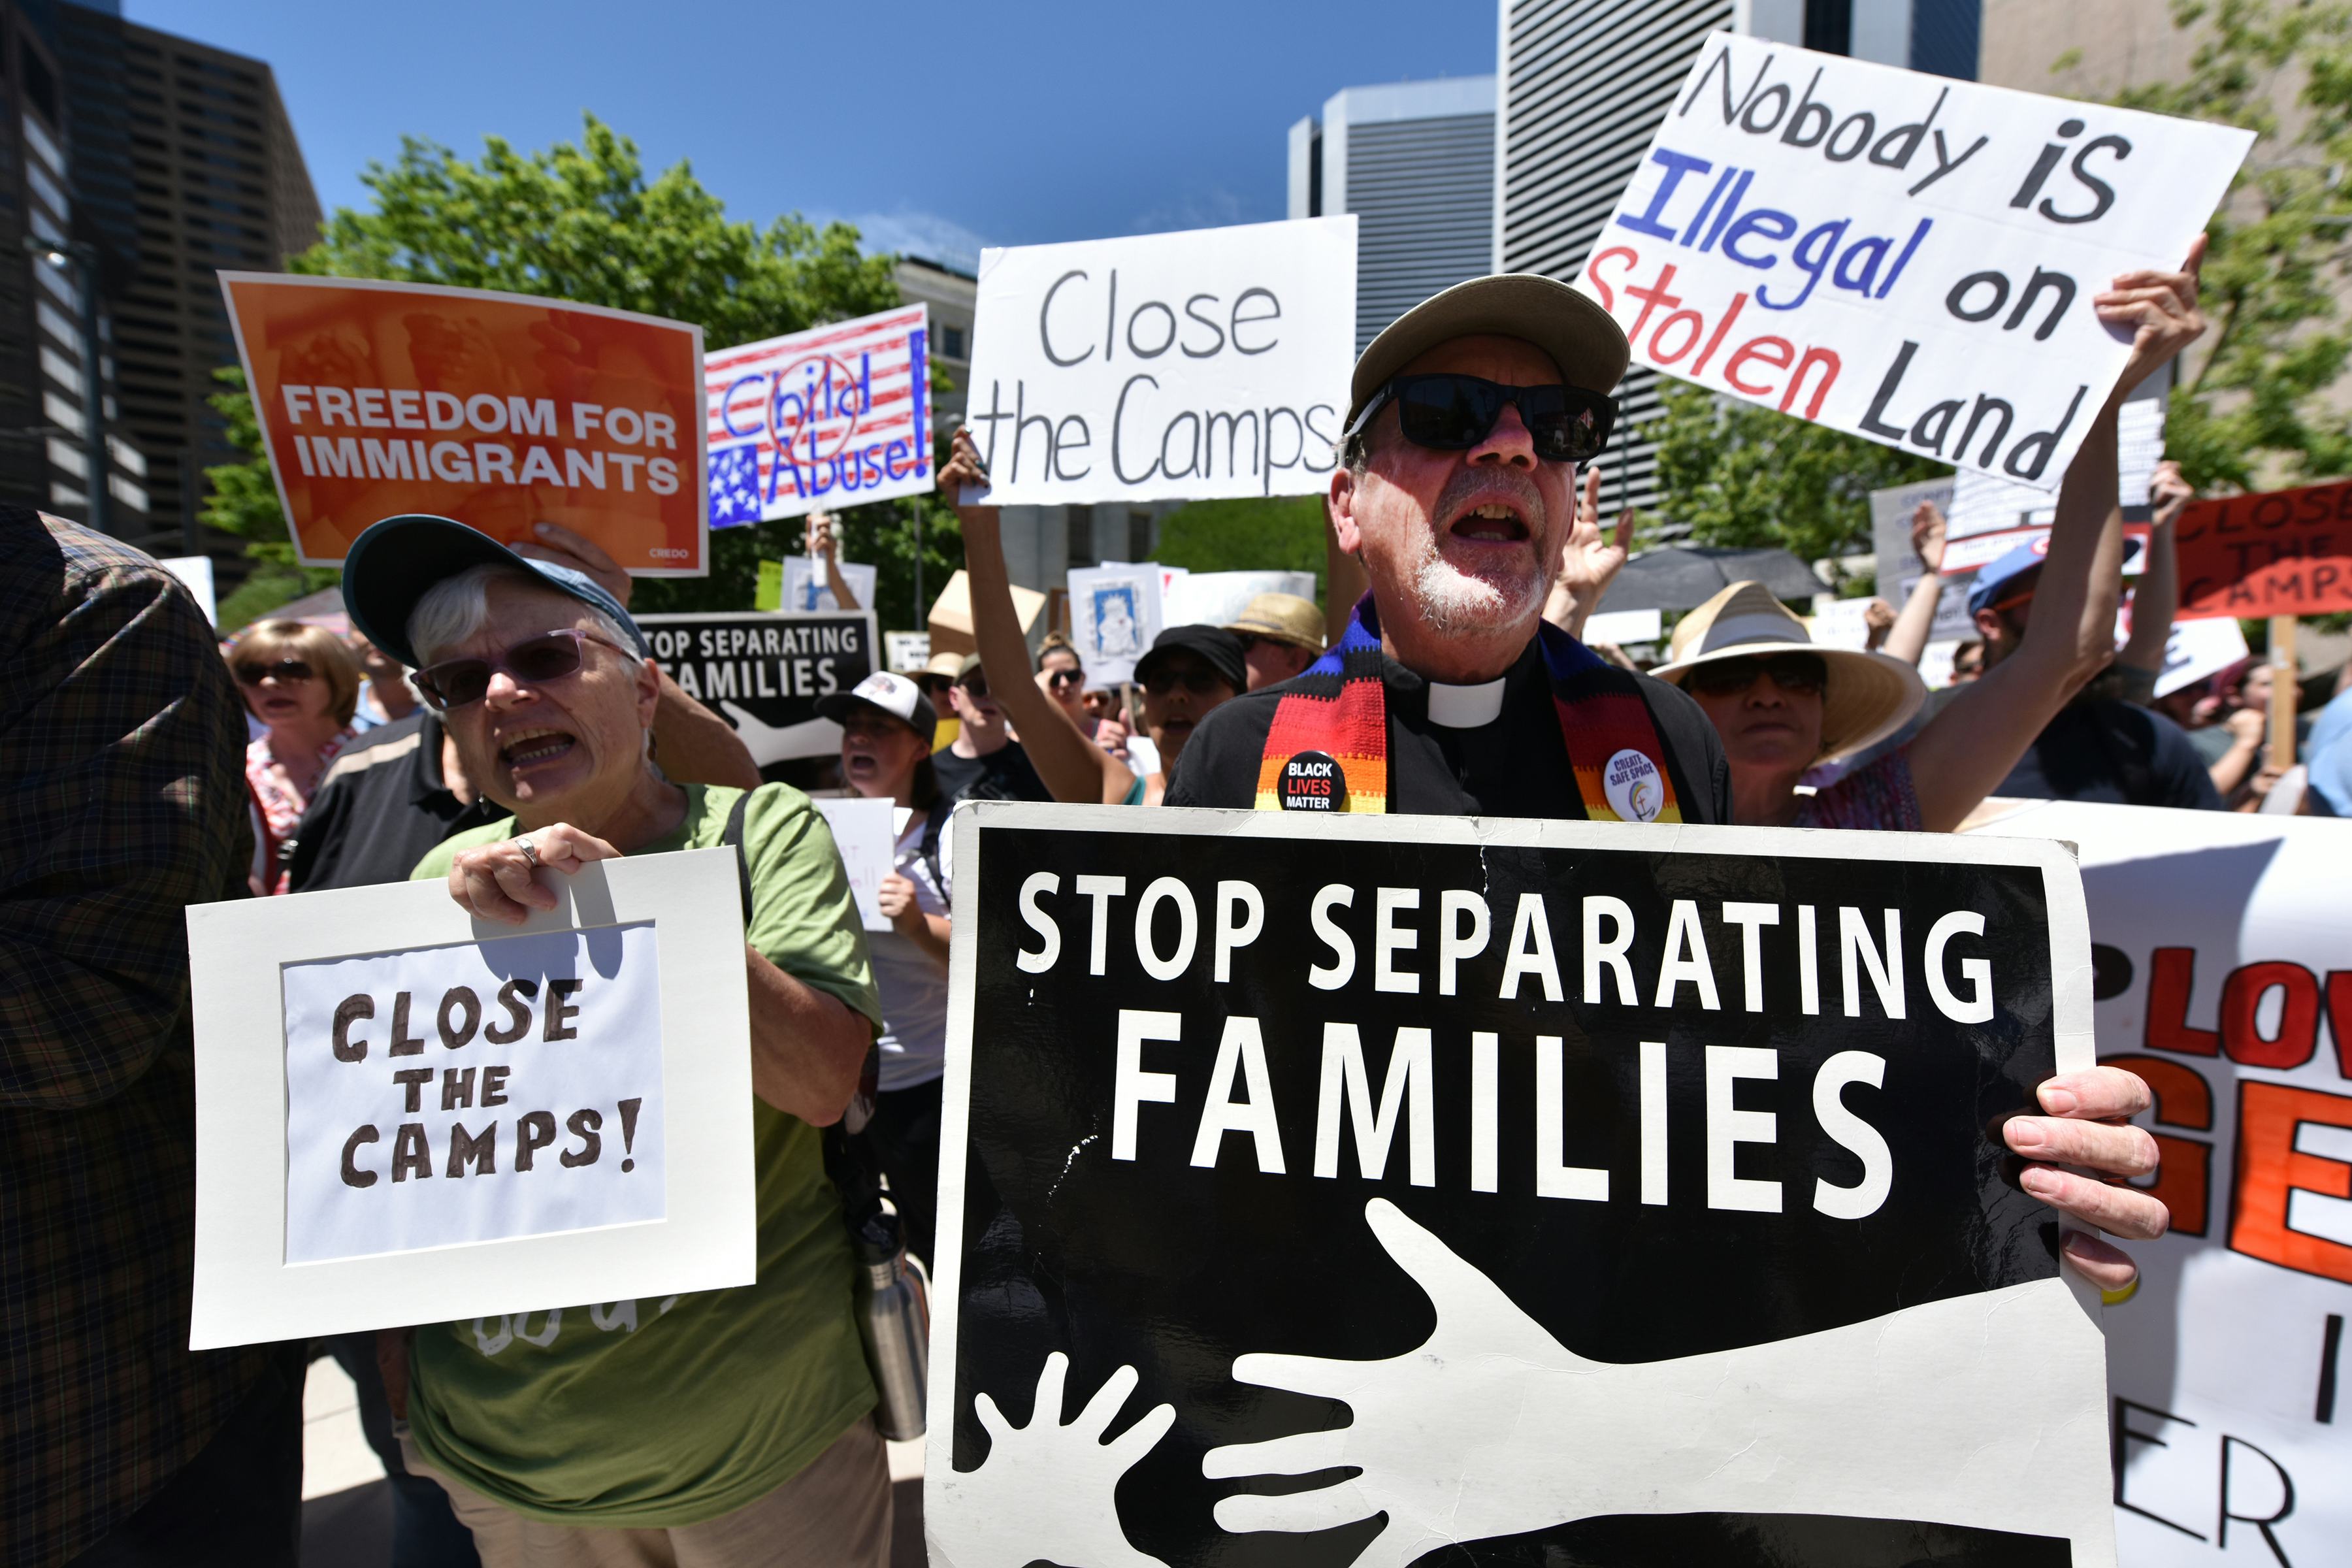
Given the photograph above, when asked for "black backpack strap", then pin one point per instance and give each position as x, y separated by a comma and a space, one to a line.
733, 840
935, 824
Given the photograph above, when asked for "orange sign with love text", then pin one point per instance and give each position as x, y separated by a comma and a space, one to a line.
498, 410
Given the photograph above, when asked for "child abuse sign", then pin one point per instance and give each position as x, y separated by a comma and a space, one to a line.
1538, 1191
1900, 255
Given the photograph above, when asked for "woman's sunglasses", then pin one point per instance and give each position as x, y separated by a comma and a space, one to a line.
551, 656
1448, 412
1064, 677
253, 672
1797, 673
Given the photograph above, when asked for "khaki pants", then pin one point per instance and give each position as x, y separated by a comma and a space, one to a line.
835, 1513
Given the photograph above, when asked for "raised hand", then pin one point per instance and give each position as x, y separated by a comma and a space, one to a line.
2168, 493
818, 536
1046, 1491
1928, 535
561, 546
1587, 562
2158, 309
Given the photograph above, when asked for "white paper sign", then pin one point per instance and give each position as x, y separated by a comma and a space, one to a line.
907, 652
807, 589
1208, 362
2220, 946
196, 573
567, 1186
472, 1093
2195, 649
1115, 614
862, 833
1218, 599
1624, 627
1900, 255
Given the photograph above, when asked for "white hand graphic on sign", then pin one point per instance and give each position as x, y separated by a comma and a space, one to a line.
767, 743
1047, 1490
1493, 1427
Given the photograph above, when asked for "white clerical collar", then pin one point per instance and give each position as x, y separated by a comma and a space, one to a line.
1465, 707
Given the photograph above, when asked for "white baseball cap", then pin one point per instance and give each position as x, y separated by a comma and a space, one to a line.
894, 694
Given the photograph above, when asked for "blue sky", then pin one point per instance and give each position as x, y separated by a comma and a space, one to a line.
934, 127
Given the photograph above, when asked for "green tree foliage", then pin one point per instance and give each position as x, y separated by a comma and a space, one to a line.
2257, 406
585, 223
242, 500
1282, 533
1748, 476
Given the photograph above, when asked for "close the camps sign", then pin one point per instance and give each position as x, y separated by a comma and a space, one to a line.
2282, 552
1206, 364
763, 672
1899, 255
1525, 1192
405, 1115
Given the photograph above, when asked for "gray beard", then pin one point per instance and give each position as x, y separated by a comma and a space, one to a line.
1453, 603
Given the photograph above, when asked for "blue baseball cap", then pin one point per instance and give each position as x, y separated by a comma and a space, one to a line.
399, 560
1995, 581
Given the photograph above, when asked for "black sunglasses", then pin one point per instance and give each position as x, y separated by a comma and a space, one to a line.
1449, 412
1064, 677
252, 672
1199, 682
1798, 673
551, 656
975, 687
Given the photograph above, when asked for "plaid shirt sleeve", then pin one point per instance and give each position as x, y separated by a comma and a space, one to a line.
121, 802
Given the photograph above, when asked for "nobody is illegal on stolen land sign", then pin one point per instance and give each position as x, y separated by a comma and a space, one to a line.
1354, 1190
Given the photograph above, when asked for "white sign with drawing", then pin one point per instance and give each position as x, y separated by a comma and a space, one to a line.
1902, 256
808, 589
1115, 614
1183, 367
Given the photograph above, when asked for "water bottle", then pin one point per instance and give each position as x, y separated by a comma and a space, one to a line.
893, 1319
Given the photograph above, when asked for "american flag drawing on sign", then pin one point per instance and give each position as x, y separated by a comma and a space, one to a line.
734, 485
830, 417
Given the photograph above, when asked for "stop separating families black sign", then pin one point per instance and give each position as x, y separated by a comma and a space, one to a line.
1383, 1190
763, 672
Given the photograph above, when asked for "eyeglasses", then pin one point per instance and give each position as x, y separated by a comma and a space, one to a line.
1199, 682
1064, 677
1802, 674
1448, 412
253, 672
975, 687
551, 656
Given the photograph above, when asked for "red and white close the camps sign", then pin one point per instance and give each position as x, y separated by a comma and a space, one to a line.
2283, 553
2221, 947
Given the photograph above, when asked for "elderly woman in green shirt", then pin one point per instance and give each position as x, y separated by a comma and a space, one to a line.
730, 1426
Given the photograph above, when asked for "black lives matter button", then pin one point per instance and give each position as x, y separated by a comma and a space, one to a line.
1311, 781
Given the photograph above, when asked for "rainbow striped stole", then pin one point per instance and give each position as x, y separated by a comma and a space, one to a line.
1339, 707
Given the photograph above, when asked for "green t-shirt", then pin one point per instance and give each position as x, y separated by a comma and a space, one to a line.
657, 1413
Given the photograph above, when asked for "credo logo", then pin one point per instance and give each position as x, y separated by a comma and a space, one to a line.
1631, 782
669, 552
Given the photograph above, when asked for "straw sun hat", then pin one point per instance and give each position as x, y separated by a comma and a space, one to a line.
1868, 696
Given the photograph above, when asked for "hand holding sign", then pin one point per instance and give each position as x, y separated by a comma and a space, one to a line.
499, 881
1032, 1472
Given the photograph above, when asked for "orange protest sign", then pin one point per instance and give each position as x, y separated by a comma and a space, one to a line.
498, 410
2282, 552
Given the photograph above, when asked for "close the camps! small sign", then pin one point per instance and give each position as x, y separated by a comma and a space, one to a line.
407, 1115
1348, 1191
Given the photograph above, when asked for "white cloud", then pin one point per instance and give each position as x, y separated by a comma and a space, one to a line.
1211, 206
906, 232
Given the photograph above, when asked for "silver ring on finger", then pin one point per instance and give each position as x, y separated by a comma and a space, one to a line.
529, 850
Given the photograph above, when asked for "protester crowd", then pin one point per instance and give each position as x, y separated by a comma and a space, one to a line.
496, 719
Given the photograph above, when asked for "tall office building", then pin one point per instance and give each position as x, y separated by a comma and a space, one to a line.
1415, 163
56, 365
182, 161
1585, 85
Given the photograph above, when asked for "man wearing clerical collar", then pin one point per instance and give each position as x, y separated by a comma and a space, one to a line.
1449, 694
